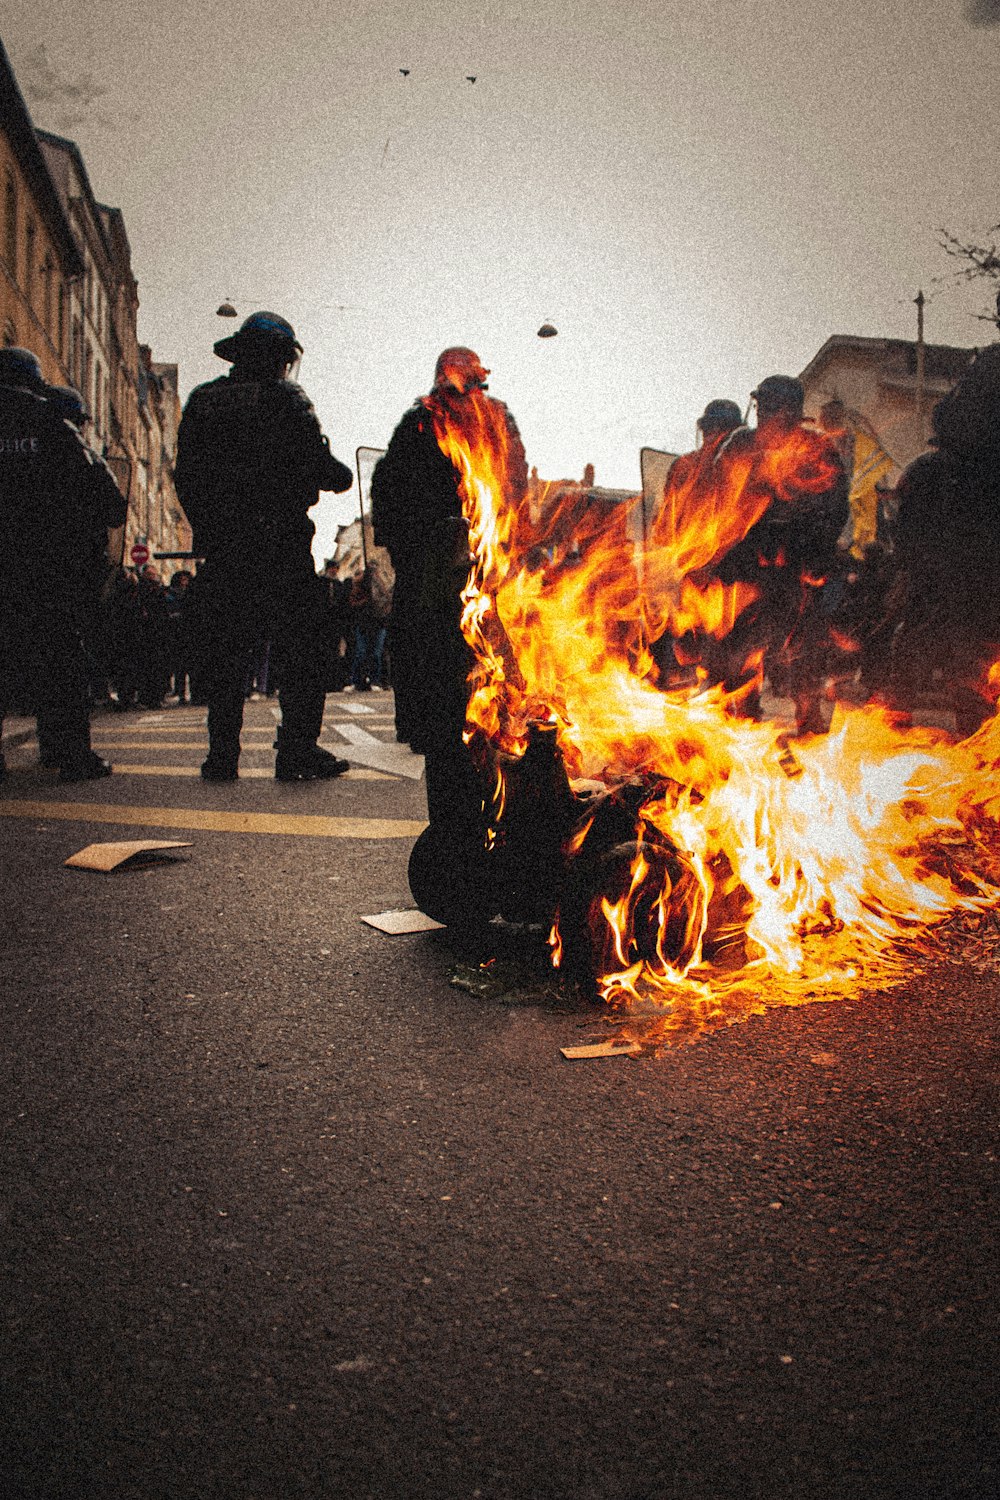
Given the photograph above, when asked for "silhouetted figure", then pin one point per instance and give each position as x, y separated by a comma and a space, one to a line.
251, 461
789, 554
57, 499
418, 516
947, 547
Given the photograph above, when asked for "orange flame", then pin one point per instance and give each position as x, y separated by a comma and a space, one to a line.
819, 859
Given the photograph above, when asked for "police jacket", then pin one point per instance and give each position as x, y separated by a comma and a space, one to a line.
415, 493
805, 506
251, 461
946, 538
57, 498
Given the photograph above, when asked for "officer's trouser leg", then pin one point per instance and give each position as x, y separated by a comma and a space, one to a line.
61, 692
300, 667
225, 702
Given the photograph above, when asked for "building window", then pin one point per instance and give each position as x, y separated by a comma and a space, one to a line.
47, 295
76, 355
30, 233
10, 224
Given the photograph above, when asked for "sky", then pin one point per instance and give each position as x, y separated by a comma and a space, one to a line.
696, 193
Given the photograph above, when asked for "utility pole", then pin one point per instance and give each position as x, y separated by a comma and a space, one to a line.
919, 299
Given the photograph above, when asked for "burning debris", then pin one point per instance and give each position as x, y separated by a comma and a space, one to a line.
686, 859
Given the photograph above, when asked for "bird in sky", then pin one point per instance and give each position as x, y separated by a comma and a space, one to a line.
405, 72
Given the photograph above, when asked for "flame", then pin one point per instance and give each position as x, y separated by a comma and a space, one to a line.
807, 862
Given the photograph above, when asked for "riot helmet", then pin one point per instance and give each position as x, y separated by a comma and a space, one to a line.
262, 334
68, 402
720, 416
780, 393
460, 369
19, 367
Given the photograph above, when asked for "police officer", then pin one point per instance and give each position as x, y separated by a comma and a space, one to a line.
687, 495
797, 479
56, 497
251, 461
418, 516
946, 540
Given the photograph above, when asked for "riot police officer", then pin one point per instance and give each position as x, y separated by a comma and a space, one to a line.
417, 513
251, 460
798, 485
56, 498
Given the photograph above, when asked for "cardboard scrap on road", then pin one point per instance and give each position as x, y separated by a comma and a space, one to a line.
396, 922
602, 1049
132, 852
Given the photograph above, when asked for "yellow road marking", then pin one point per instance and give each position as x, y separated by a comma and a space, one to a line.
198, 744
201, 743
247, 773
295, 825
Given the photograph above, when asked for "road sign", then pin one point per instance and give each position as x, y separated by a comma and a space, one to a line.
139, 554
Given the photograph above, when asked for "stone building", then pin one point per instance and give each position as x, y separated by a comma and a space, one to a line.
96, 292
878, 380
881, 394
68, 293
157, 515
40, 262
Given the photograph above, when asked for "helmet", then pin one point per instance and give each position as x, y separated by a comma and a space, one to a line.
261, 331
780, 393
20, 367
68, 403
720, 416
461, 369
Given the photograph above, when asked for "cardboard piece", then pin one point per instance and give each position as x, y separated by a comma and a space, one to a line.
133, 852
602, 1049
396, 922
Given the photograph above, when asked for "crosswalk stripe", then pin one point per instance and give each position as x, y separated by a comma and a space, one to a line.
288, 824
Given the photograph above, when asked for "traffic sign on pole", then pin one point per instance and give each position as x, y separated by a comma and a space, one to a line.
139, 554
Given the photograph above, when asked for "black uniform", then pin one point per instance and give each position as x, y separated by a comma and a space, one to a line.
415, 501
946, 539
251, 460
57, 501
417, 516
789, 555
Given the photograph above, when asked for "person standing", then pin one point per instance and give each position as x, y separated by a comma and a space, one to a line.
688, 496
251, 461
946, 542
418, 517
796, 483
57, 500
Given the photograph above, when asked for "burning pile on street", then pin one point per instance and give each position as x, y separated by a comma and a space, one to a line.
688, 860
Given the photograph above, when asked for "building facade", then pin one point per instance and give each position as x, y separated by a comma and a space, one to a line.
880, 394
69, 294
40, 262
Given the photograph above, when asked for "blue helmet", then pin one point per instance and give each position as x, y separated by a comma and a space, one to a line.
20, 367
261, 331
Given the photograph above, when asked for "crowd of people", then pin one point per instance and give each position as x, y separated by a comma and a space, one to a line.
920, 604
909, 617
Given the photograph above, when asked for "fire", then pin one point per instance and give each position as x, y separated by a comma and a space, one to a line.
803, 864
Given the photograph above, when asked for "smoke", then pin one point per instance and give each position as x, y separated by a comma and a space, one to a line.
982, 12
65, 102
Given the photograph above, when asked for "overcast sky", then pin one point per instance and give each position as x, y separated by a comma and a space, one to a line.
696, 194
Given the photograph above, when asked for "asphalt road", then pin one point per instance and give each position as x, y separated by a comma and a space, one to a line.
286, 1213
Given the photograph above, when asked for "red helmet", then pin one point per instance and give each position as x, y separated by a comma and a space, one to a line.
461, 369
